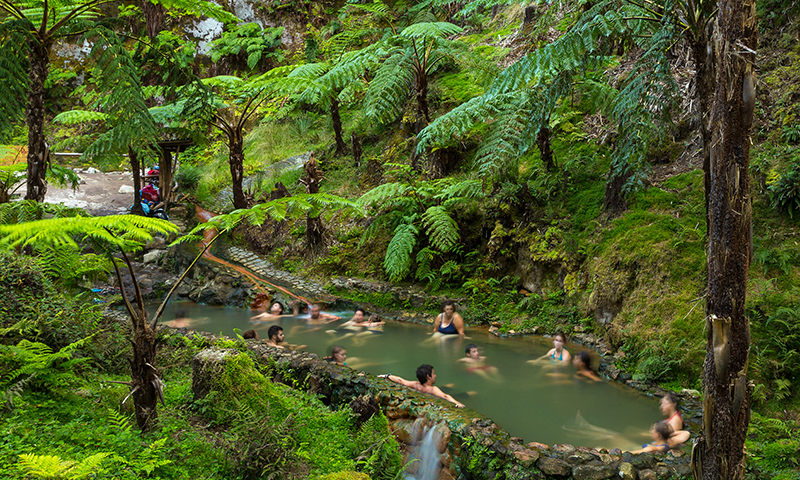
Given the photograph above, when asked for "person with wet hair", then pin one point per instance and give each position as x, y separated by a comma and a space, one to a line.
669, 407
360, 320
426, 377
275, 311
338, 356
180, 320
317, 315
449, 322
660, 431
250, 334
583, 366
276, 336
476, 363
558, 354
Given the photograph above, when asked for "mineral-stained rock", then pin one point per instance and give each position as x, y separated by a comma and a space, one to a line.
563, 448
592, 472
527, 457
539, 446
647, 474
554, 466
627, 472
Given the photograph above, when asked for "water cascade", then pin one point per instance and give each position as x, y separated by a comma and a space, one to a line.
424, 462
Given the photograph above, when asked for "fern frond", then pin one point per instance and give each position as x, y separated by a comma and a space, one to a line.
390, 88
72, 117
381, 193
442, 230
397, 261
428, 30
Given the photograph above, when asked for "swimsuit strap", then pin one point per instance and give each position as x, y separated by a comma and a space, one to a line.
673, 416
560, 355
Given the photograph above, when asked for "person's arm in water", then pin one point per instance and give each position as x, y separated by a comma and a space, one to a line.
400, 380
436, 323
458, 321
678, 438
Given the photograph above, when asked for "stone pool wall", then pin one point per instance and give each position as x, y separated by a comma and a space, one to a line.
471, 445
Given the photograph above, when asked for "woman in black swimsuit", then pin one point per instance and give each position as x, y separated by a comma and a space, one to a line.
449, 322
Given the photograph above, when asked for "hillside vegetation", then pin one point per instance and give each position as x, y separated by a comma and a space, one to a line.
543, 161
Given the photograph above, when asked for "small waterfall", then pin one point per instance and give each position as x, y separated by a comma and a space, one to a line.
424, 457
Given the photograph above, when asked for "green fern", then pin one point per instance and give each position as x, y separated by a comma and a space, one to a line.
52, 466
442, 230
398, 254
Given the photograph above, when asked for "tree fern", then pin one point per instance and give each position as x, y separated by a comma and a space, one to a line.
52, 466
397, 262
442, 230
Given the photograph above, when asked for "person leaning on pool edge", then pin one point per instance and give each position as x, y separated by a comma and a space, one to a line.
426, 377
449, 322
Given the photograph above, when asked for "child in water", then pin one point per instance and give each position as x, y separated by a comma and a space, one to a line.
661, 431
583, 366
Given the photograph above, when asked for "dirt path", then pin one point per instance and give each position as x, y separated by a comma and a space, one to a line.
99, 193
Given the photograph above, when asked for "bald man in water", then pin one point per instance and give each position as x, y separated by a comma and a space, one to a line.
426, 378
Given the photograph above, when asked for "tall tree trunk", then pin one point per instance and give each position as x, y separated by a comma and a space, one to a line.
726, 392
341, 148
153, 18
236, 160
356, 146
144, 374
704, 81
543, 142
136, 209
34, 118
314, 229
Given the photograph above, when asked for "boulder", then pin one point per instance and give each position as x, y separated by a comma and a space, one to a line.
153, 256
592, 472
206, 366
627, 472
554, 467
527, 457
126, 189
647, 474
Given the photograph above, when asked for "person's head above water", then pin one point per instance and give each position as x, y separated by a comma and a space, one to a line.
472, 351
425, 373
276, 308
661, 431
275, 333
316, 309
338, 354
583, 361
560, 338
669, 404
250, 334
448, 303
359, 315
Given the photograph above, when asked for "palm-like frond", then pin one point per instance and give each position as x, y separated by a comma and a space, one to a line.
397, 262
119, 231
427, 30
13, 71
442, 230
390, 87
73, 117
381, 193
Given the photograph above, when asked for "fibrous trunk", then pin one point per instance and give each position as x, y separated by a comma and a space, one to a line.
543, 142
34, 118
314, 229
726, 390
337, 128
236, 160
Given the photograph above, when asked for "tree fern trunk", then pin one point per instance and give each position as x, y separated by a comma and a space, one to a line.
341, 148
356, 146
704, 89
34, 118
144, 375
153, 18
543, 142
726, 391
136, 209
236, 160
314, 230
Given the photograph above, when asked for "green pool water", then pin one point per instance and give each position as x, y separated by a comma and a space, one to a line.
541, 403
